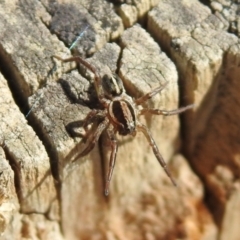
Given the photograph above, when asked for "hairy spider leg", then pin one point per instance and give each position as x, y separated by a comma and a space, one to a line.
165, 112
149, 95
158, 111
97, 78
156, 152
91, 116
101, 127
112, 161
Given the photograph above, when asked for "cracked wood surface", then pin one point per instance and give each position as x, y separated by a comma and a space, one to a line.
44, 194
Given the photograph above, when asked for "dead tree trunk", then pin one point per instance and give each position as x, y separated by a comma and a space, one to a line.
48, 192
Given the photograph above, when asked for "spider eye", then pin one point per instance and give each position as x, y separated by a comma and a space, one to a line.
112, 85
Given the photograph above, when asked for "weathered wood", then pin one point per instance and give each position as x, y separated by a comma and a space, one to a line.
227, 11
56, 111
70, 18
9, 202
207, 58
201, 66
26, 180
26, 46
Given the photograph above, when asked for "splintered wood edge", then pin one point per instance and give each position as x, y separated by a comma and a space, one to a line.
9, 201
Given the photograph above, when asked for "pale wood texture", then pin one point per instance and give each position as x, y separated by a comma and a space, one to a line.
207, 58
45, 195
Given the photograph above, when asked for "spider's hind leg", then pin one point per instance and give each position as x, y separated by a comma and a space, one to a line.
114, 150
156, 152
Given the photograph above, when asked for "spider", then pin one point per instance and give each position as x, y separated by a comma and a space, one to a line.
119, 115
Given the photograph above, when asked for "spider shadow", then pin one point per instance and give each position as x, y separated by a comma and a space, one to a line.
86, 97
71, 129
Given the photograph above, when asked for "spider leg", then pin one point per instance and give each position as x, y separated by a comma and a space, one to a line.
91, 116
156, 152
97, 79
150, 94
103, 125
79, 60
114, 147
164, 112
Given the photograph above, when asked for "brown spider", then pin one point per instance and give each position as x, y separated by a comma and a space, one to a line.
119, 114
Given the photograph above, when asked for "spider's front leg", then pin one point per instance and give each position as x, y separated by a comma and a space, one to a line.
114, 150
156, 152
149, 95
101, 127
165, 112
158, 111
97, 79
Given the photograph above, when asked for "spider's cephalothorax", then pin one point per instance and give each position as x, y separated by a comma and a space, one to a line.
112, 85
120, 115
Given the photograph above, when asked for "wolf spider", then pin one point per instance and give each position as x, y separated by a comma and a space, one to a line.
119, 114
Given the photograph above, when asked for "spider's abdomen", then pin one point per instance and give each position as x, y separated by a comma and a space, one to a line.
123, 117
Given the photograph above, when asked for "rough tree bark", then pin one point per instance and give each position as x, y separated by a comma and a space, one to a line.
193, 47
